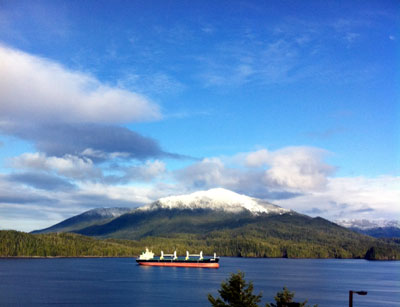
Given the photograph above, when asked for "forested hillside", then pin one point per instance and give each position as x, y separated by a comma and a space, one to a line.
14, 243
221, 221
273, 236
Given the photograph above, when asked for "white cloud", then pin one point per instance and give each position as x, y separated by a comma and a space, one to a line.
37, 89
292, 177
26, 219
299, 179
379, 193
209, 172
146, 172
299, 168
68, 166
352, 198
99, 154
83, 169
291, 169
116, 192
26, 209
257, 158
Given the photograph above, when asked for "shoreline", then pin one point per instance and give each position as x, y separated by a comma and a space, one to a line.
58, 257
134, 257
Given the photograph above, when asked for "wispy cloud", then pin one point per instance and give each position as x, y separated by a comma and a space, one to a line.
41, 181
254, 61
68, 166
326, 133
291, 50
151, 84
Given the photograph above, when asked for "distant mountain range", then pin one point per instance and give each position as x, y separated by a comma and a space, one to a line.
374, 228
230, 224
368, 224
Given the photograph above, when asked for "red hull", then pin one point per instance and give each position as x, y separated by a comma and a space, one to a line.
182, 264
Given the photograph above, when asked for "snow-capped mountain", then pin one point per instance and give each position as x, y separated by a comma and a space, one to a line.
234, 224
364, 224
216, 199
373, 228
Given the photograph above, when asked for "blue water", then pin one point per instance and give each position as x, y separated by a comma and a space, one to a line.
120, 282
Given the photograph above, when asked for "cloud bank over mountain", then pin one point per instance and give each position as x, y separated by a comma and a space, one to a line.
300, 180
265, 99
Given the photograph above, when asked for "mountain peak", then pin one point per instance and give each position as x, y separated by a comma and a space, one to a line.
216, 199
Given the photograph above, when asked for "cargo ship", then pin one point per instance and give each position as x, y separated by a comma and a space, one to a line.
147, 258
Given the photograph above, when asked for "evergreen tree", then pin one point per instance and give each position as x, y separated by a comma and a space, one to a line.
236, 292
371, 254
284, 298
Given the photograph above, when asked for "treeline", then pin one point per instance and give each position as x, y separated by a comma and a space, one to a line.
237, 243
279, 237
20, 244
229, 245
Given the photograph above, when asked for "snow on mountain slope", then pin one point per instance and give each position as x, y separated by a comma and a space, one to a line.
216, 199
107, 212
368, 224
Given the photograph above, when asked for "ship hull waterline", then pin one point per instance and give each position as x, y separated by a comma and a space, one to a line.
183, 264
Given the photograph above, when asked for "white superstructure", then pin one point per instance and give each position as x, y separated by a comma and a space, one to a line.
147, 255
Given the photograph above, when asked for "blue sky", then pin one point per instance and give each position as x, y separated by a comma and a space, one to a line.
118, 103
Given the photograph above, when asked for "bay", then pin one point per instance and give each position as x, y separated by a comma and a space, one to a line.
121, 282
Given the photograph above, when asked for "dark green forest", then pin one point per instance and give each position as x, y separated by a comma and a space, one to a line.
224, 243
244, 235
239, 235
20, 244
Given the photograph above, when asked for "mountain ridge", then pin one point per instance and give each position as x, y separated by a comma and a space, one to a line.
85, 219
217, 199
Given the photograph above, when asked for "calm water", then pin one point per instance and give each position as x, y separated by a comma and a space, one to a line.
120, 282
